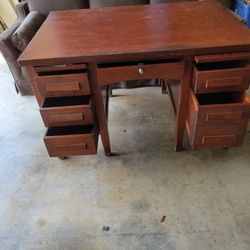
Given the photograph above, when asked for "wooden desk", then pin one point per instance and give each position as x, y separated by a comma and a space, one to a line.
202, 47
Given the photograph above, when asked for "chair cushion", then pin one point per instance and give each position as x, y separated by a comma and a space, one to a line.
110, 3
27, 29
46, 6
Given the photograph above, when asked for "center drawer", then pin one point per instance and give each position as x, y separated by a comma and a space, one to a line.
112, 73
63, 111
220, 77
71, 140
217, 120
57, 85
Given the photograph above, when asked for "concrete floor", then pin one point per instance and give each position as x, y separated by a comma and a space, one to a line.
52, 204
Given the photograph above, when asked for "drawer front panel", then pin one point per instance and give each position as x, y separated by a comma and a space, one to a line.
147, 71
219, 114
227, 113
55, 68
218, 137
216, 125
63, 116
235, 79
222, 57
63, 85
219, 140
70, 145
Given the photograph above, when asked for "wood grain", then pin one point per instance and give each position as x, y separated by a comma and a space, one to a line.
221, 80
222, 57
146, 31
65, 115
182, 107
69, 144
63, 85
96, 92
109, 75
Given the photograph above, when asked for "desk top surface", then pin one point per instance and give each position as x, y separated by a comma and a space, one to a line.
120, 33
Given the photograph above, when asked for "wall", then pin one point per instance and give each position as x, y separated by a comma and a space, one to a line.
7, 12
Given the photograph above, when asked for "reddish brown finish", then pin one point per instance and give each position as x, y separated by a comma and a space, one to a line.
225, 116
135, 33
55, 68
182, 106
216, 137
222, 57
116, 74
221, 80
81, 143
234, 112
63, 85
173, 87
142, 34
96, 91
217, 125
219, 140
32, 77
105, 98
79, 114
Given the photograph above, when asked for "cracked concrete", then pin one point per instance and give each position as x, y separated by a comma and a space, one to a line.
47, 203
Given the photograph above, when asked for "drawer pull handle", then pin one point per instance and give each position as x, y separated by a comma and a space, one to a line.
141, 71
76, 145
219, 140
224, 82
73, 86
67, 118
229, 116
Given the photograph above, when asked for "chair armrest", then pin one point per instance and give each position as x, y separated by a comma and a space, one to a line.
10, 54
6, 46
27, 29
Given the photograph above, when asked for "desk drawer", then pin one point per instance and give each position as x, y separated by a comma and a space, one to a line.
220, 108
208, 80
66, 111
71, 140
63, 85
219, 119
217, 137
112, 74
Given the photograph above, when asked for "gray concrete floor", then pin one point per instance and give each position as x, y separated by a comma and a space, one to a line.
52, 204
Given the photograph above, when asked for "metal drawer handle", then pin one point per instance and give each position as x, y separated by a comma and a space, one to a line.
141, 71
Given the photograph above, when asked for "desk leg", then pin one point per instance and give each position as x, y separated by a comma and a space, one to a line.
163, 86
96, 91
182, 110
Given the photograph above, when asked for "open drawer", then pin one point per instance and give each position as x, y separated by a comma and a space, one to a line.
71, 140
59, 84
112, 73
219, 108
220, 77
216, 137
66, 111
217, 120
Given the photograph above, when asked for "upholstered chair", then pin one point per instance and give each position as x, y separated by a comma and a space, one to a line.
30, 16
